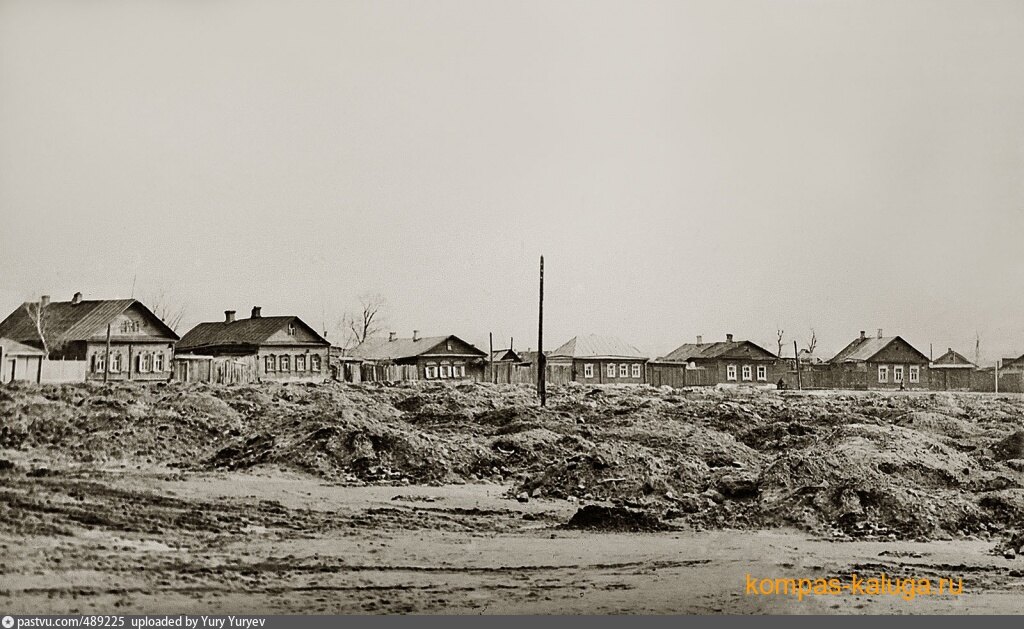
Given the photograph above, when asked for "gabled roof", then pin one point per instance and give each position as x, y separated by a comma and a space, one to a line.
499, 355
952, 360
594, 346
68, 321
14, 348
243, 332
724, 349
383, 349
864, 349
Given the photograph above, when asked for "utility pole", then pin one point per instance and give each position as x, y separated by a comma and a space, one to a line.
490, 343
541, 360
796, 357
997, 375
106, 359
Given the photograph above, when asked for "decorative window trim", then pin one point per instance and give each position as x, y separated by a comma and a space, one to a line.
270, 363
748, 373
430, 371
623, 370
285, 363
610, 370
915, 374
883, 373
897, 373
300, 362
635, 370
158, 362
762, 373
588, 370
730, 372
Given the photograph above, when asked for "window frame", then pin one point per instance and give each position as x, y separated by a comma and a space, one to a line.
301, 357
748, 373
635, 370
731, 373
430, 371
588, 370
158, 362
316, 363
898, 374
623, 370
883, 374
285, 363
269, 363
610, 370
915, 374
762, 373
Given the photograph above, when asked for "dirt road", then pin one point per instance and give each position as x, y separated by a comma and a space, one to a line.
273, 541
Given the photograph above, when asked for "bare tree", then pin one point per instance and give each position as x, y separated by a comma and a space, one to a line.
813, 342
167, 309
366, 322
36, 312
779, 336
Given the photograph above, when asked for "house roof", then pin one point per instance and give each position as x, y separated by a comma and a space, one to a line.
952, 360
863, 349
241, 332
595, 346
690, 351
383, 349
68, 321
14, 348
505, 354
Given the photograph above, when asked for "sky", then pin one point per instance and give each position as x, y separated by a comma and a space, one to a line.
684, 167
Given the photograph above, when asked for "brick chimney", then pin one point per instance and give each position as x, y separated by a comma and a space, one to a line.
44, 301
700, 340
415, 335
728, 338
229, 316
77, 299
391, 336
879, 332
863, 335
256, 312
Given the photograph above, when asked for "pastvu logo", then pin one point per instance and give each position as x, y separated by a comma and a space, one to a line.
7, 622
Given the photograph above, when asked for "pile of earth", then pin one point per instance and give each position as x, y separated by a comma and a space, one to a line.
854, 464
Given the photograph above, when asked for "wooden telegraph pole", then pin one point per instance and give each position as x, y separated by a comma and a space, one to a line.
796, 358
541, 361
106, 360
490, 360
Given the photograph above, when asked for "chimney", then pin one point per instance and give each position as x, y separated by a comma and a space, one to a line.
879, 332
950, 349
700, 340
415, 335
44, 301
77, 299
255, 312
391, 337
229, 316
728, 338
863, 335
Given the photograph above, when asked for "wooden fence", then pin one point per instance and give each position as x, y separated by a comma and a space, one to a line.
215, 370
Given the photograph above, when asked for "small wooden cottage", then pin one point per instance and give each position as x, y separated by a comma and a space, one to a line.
594, 359
881, 362
420, 358
280, 348
140, 344
726, 362
951, 372
19, 362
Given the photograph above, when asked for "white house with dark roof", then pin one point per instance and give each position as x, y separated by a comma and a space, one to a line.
421, 358
879, 362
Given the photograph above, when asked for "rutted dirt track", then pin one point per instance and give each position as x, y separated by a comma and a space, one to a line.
350, 499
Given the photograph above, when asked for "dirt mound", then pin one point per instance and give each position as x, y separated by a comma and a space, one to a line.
615, 519
1011, 447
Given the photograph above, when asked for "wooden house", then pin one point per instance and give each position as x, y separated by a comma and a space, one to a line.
421, 358
881, 362
594, 359
951, 372
140, 344
19, 362
727, 362
283, 348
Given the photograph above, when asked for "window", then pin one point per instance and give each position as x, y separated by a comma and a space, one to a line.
158, 361
730, 372
588, 370
446, 370
459, 370
748, 373
449, 346
140, 363
286, 363
611, 370
883, 373
300, 363
897, 373
315, 363
270, 363
762, 373
623, 370
431, 371
99, 362
636, 370
915, 373
291, 329
115, 363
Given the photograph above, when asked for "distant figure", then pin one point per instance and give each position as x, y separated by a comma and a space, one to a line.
903, 387
781, 385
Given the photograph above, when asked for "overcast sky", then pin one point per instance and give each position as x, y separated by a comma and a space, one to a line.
685, 167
